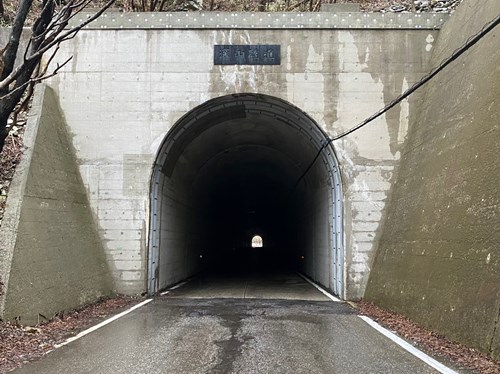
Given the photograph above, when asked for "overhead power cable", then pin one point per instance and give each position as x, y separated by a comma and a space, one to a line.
457, 53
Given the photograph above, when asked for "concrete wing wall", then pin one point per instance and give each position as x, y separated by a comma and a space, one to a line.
439, 256
52, 258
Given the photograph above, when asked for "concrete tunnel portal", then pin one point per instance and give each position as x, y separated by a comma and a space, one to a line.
227, 195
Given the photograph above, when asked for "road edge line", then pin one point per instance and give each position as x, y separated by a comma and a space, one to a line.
167, 291
408, 347
396, 339
324, 292
178, 285
101, 324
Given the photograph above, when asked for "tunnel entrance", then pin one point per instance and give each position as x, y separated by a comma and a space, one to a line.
229, 195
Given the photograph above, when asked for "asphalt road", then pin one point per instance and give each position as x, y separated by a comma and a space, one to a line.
176, 334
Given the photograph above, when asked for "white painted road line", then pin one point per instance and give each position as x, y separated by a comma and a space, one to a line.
408, 347
327, 294
396, 339
178, 285
102, 324
174, 287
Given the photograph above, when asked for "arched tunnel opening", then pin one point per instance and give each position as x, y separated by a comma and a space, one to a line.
233, 193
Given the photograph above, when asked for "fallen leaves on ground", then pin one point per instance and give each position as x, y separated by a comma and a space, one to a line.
21, 344
9, 158
429, 341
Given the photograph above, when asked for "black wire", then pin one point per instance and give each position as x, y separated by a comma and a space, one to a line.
458, 52
311, 164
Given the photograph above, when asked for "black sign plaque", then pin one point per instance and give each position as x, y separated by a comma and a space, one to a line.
247, 55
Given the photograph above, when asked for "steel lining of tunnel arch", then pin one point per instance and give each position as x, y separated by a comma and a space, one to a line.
261, 105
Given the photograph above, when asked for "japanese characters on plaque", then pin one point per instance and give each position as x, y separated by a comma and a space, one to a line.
247, 55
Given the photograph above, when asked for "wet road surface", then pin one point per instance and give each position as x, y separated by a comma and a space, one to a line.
181, 334
263, 286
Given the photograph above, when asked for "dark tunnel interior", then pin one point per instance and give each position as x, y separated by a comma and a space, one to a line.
231, 171
252, 197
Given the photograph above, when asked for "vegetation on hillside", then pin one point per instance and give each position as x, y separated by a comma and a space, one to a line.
8, 7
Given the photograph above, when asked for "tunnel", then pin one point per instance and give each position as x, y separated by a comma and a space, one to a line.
245, 184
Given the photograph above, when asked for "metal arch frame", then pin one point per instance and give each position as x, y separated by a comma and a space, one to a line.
337, 279
268, 106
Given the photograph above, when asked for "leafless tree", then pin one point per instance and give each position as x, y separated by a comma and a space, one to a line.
49, 30
164, 5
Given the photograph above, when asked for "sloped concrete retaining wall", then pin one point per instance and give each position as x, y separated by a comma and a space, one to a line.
439, 257
51, 258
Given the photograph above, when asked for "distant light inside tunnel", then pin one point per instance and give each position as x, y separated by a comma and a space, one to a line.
257, 242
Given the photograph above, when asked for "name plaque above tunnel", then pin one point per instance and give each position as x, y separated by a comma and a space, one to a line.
247, 55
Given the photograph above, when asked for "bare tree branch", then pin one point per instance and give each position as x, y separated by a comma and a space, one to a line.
41, 75
12, 46
48, 32
50, 42
296, 5
162, 5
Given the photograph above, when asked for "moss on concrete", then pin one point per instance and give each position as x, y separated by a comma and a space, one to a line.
438, 259
57, 261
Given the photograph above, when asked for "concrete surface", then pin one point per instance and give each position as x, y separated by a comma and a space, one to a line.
252, 286
182, 336
347, 18
138, 83
127, 88
51, 255
230, 170
439, 256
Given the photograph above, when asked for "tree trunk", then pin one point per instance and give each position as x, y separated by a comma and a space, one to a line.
3, 133
44, 35
10, 100
9, 57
